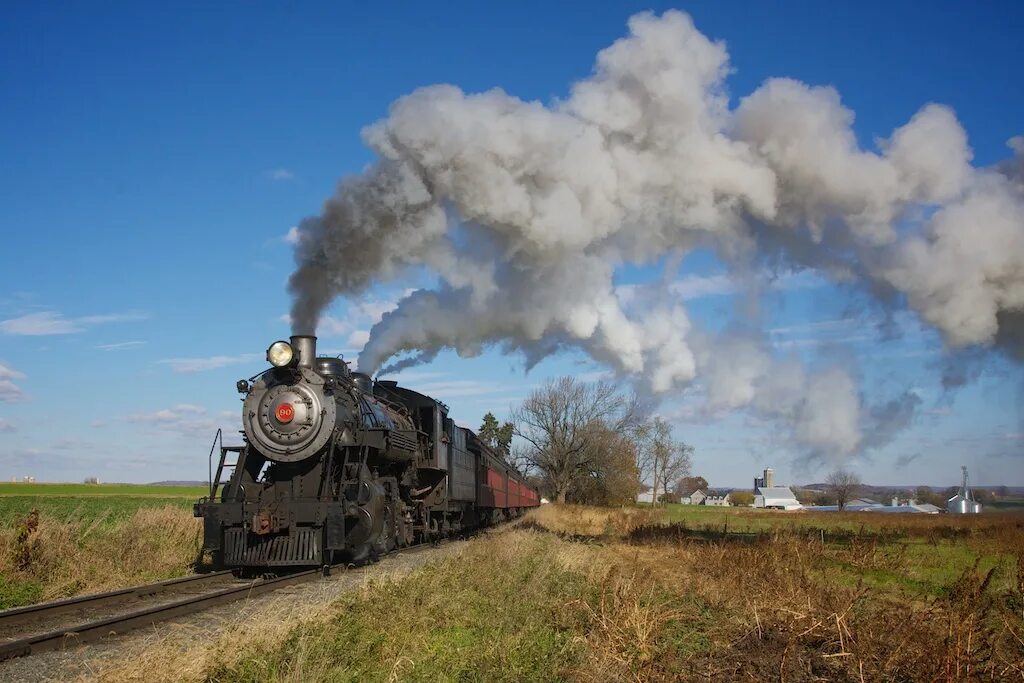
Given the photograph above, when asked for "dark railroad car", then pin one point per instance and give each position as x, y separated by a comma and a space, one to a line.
337, 468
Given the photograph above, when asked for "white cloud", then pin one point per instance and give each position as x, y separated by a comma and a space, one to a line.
292, 236
697, 287
693, 287
47, 323
821, 333
184, 416
281, 174
36, 324
595, 376
818, 326
375, 310
119, 346
70, 443
821, 341
483, 396
90, 320
10, 373
850, 330
188, 419
9, 391
190, 365
7, 426
447, 389
331, 327
358, 338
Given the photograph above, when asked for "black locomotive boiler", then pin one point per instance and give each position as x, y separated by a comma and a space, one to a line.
337, 468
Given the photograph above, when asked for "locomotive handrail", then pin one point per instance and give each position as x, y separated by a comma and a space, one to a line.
219, 436
397, 407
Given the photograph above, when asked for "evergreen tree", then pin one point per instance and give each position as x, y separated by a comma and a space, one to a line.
497, 436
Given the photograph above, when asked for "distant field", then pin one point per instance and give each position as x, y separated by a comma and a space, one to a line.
18, 489
101, 510
1008, 504
92, 504
750, 519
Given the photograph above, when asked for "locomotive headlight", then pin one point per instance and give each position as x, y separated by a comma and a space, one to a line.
280, 354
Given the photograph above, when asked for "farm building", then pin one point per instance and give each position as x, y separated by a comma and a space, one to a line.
645, 496
693, 498
768, 495
867, 505
776, 498
717, 499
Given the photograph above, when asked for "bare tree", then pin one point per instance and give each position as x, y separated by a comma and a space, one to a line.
562, 424
842, 484
664, 460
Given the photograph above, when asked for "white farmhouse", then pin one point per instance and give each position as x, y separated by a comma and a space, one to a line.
693, 498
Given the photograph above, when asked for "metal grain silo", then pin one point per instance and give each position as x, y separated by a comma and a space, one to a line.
963, 502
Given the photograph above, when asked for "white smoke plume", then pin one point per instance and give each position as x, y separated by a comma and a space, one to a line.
524, 211
824, 408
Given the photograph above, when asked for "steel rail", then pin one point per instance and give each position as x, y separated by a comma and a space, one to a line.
119, 624
20, 615
122, 623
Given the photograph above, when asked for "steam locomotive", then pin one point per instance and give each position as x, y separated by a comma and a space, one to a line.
338, 468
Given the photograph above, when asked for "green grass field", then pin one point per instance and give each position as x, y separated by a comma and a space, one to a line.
103, 504
18, 489
83, 509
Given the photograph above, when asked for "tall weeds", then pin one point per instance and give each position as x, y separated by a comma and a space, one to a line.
788, 606
42, 558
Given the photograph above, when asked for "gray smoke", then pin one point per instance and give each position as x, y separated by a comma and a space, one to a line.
524, 211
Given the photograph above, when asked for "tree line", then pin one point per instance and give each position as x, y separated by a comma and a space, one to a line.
586, 442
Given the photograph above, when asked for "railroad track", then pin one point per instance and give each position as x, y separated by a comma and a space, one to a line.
88, 618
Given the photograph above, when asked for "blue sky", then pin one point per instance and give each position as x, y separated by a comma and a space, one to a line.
154, 160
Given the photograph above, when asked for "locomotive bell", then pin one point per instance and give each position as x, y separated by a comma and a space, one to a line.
331, 367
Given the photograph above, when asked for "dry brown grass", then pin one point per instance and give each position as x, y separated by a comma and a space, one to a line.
582, 520
782, 605
64, 558
605, 597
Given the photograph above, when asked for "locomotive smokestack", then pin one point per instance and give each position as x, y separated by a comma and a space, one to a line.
305, 349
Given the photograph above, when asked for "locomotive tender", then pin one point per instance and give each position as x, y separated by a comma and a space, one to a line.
338, 468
